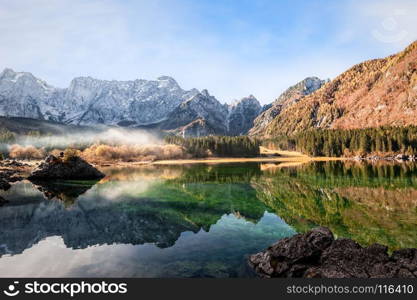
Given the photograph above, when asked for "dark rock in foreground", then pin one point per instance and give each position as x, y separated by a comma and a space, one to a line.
317, 254
57, 168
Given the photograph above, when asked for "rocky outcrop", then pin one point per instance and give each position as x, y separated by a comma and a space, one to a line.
4, 184
196, 128
292, 95
317, 254
202, 107
379, 92
3, 201
241, 115
71, 168
204, 115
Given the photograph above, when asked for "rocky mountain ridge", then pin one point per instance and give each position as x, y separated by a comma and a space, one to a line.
89, 101
290, 96
203, 115
160, 103
373, 93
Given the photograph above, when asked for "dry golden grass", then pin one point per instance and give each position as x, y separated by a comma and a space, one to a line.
282, 153
128, 153
26, 152
285, 156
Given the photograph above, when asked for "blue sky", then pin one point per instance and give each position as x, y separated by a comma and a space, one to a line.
232, 48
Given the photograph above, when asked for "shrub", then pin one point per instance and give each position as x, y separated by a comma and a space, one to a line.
101, 152
26, 152
56, 152
70, 154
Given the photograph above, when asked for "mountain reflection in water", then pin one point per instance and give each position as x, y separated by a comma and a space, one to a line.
198, 220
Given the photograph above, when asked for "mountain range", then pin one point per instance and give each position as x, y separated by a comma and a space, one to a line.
159, 104
370, 94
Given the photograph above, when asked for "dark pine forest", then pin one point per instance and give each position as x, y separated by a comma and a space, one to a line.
336, 142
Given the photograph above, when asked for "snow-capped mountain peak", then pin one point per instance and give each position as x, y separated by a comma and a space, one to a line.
159, 103
167, 81
241, 115
9, 75
90, 101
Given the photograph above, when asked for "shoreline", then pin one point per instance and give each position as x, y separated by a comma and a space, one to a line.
288, 157
217, 160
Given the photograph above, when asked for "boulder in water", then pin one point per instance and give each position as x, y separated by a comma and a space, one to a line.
317, 254
72, 168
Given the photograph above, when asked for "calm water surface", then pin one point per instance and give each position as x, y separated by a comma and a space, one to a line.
197, 220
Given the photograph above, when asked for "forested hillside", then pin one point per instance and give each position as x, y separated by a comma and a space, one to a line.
350, 142
379, 92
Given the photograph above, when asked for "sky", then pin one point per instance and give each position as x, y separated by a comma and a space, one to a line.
232, 48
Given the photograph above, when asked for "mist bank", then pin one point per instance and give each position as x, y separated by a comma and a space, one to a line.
125, 145
79, 139
108, 144
82, 139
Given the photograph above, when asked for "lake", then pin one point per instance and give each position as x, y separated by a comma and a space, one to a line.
198, 220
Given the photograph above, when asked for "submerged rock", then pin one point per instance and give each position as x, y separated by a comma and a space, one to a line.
317, 254
13, 163
3, 201
4, 185
11, 171
72, 168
